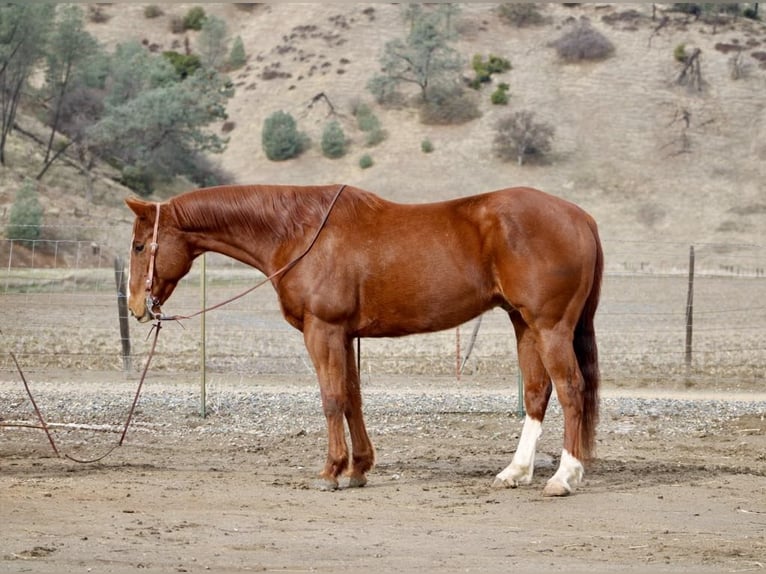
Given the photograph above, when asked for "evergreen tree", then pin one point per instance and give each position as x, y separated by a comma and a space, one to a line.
333, 140
237, 57
160, 132
280, 138
26, 214
423, 58
24, 31
69, 49
212, 43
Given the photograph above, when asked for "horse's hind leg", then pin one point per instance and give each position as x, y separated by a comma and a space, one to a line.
560, 361
537, 392
363, 454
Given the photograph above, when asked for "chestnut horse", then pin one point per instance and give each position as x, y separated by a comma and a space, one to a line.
346, 263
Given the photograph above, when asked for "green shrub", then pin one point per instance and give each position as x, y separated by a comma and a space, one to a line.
449, 106
751, 13
521, 14
138, 180
280, 138
26, 214
426, 146
485, 69
365, 161
500, 96
679, 53
184, 64
237, 56
368, 122
333, 140
152, 11
194, 18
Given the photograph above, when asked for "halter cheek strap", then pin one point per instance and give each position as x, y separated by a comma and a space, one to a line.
150, 300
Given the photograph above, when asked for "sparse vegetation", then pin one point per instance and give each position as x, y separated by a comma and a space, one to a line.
152, 11
424, 58
426, 146
194, 18
184, 64
212, 43
518, 136
368, 122
500, 96
26, 215
483, 70
583, 43
237, 56
365, 161
521, 15
280, 138
449, 106
333, 140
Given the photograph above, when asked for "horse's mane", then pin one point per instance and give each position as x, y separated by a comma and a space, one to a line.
283, 211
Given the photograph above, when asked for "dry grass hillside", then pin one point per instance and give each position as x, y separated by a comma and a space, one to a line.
621, 149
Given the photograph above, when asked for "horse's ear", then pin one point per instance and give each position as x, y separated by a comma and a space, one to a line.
138, 206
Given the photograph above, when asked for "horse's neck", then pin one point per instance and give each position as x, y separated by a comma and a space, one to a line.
243, 229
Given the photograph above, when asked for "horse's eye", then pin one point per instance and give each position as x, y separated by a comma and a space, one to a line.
138, 247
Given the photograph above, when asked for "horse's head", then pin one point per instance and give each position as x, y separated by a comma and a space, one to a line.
159, 258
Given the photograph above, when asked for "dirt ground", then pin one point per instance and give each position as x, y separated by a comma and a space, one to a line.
674, 489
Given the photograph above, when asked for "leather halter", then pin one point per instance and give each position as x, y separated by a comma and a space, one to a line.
151, 301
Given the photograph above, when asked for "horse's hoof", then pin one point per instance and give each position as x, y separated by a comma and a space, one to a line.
325, 484
357, 481
556, 488
501, 483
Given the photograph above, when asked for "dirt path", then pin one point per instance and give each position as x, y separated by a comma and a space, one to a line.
233, 493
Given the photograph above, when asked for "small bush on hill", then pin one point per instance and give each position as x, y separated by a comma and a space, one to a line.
333, 140
521, 15
518, 136
237, 56
449, 106
152, 11
583, 42
184, 64
26, 214
194, 18
368, 122
485, 69
365, 161
280, 138
500, 96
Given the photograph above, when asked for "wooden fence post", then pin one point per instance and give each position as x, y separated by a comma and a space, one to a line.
690, 309
203, 340
122, 311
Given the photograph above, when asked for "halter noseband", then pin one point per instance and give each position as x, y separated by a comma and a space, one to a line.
151, 301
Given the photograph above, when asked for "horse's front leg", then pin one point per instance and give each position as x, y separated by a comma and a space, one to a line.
363, 453
332, 354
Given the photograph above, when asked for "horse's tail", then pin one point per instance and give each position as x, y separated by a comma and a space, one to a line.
587, 355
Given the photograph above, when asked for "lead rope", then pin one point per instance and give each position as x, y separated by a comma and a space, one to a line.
44, 426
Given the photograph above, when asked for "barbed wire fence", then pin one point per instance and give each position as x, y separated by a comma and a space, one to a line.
59, 315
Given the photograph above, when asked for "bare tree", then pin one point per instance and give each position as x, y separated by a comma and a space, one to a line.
518, 136
691, 74
71, 45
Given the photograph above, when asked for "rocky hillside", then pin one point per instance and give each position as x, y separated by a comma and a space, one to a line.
652, 160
